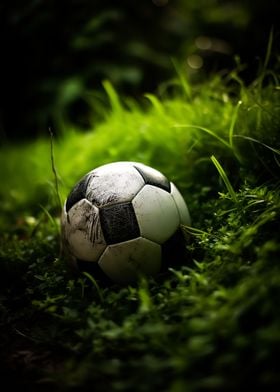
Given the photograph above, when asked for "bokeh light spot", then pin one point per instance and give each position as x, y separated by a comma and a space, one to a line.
203, 43
195, 61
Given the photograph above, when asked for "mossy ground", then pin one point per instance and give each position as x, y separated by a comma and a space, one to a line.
210, 324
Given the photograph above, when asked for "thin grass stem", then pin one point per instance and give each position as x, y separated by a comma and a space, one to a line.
95, 284
232, 124
224, 178
54, 171
206, 130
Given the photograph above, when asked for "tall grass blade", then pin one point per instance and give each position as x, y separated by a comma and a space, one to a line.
55, 171
269, 50
224, 178
206, 130
182, 78
155, 102
51, 219
113, 97
251, 139
233, 122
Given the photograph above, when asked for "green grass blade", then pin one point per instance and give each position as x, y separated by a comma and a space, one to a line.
206, 130
113, 97
233, 122
194, 231
269, 50
155, 102
54, 170
182, 78
144, 297
95, 284
251, 139
51, 219
224, 178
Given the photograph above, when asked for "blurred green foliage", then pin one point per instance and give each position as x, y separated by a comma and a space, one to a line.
55, 54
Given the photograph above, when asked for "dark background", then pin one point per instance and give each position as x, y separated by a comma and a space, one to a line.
56, 53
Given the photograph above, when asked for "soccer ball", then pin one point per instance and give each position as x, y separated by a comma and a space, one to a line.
123, 220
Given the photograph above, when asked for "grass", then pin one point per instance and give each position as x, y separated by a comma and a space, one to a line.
212, 324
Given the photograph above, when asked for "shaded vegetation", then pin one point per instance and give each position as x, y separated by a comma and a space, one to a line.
210, 325
54, 54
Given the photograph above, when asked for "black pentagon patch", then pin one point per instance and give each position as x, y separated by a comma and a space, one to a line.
78, 192
119, 223
153, 177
